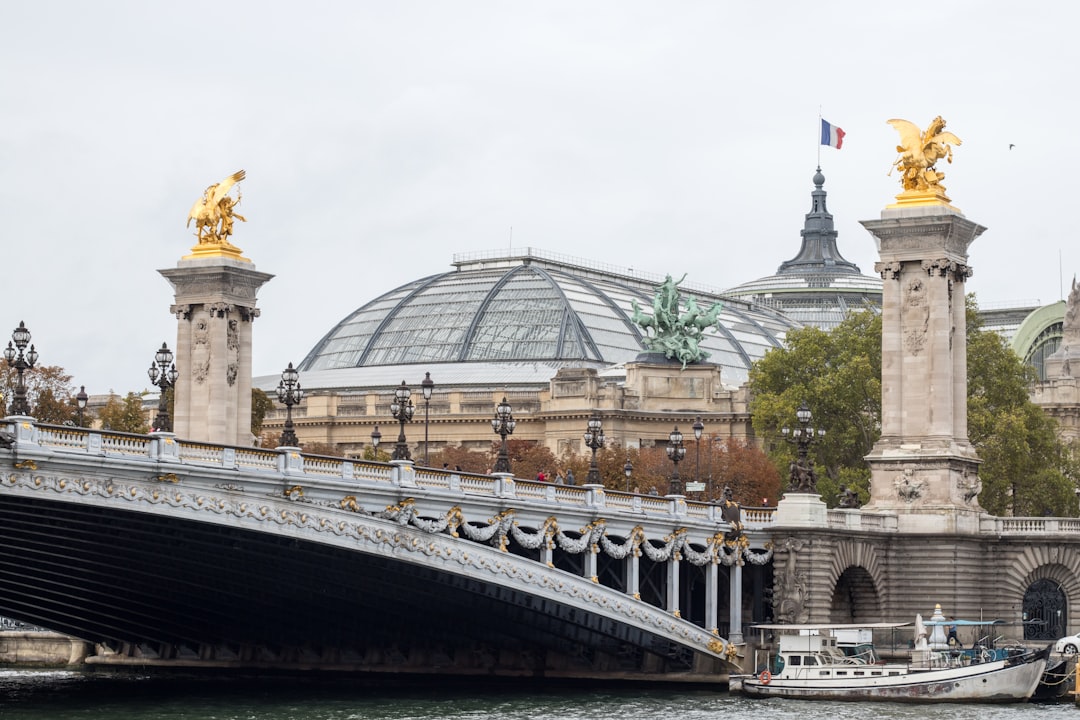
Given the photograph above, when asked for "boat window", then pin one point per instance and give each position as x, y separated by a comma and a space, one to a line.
859, 672
841, 672
891, 673
875, 672
796, 659
811, 660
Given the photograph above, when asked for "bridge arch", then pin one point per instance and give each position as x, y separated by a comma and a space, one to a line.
1057, 564
855, 575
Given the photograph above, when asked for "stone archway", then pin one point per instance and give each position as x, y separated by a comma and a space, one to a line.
855, 598
1046, 610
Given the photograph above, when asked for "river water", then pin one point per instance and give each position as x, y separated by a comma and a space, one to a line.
64, 695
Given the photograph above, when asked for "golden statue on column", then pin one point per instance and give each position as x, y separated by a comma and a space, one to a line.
214, 214
919, 152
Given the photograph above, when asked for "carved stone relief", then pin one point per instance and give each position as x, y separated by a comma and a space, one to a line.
200, 349
908, 488
969, 486
233, 341
915, 315
790, 587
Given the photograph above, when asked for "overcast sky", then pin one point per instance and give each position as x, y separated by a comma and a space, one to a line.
380, 138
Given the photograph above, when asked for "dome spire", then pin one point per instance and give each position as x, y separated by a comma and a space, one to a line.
818, 254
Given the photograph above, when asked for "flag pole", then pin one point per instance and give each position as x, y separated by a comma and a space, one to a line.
819, 137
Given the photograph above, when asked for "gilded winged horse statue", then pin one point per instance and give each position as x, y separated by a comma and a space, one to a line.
919, 151
215, 211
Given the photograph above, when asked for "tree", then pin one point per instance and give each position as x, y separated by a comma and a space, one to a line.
124, 415
747, 471
319, 448
527, 458
455, 456
372, 453
837, 374
261, 404
48, 390
1025, 468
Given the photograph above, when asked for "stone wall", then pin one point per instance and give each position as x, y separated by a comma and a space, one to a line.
41, 649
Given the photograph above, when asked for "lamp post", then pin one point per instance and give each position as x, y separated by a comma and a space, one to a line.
503, 424
427, 385
628, 470
376, 436
163, 373
676, 451
698, 427
289, 393
594, 440
21, 362
803, 478
402, 409
80, 403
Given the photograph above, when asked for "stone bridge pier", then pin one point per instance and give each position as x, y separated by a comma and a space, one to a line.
860, 568
922, 539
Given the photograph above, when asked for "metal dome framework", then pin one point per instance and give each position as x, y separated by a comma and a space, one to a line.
529, 306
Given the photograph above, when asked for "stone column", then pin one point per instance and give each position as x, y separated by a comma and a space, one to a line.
215, 306
673, 585
633, 574
924, 468
735, 634
712, 595
590, 562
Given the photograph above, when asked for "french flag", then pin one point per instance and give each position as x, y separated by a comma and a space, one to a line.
831, 135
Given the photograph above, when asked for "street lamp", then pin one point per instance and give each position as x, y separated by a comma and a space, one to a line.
503, 424
803, 478
402, 409
80, 403
676, 451
376, 436
289, 393
427, 385
594, 439
21, 363
163, 373
698, 428
628, 470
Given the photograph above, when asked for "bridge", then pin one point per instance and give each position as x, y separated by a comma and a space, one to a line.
161, 551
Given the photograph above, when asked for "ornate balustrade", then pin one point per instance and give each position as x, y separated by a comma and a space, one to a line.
384, 483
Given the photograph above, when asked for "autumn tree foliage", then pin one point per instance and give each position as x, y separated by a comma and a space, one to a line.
459, 456
747, 470
48, 390
124, 414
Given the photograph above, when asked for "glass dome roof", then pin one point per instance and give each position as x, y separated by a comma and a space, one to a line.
526, 307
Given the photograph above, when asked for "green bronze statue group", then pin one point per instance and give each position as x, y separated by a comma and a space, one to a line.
671, 331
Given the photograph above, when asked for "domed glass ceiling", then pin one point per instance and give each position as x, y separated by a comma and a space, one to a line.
529, 306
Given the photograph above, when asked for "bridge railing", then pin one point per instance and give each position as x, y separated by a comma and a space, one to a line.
296, 466
1029, 525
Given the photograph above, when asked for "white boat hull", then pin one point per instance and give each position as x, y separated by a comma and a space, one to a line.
987, 682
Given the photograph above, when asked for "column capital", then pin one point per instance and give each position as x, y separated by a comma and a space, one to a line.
888, 270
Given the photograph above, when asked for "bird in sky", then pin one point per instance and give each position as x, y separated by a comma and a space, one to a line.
1011, 146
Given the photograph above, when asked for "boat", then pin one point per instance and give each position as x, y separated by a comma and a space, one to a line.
816, 661
987, 642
